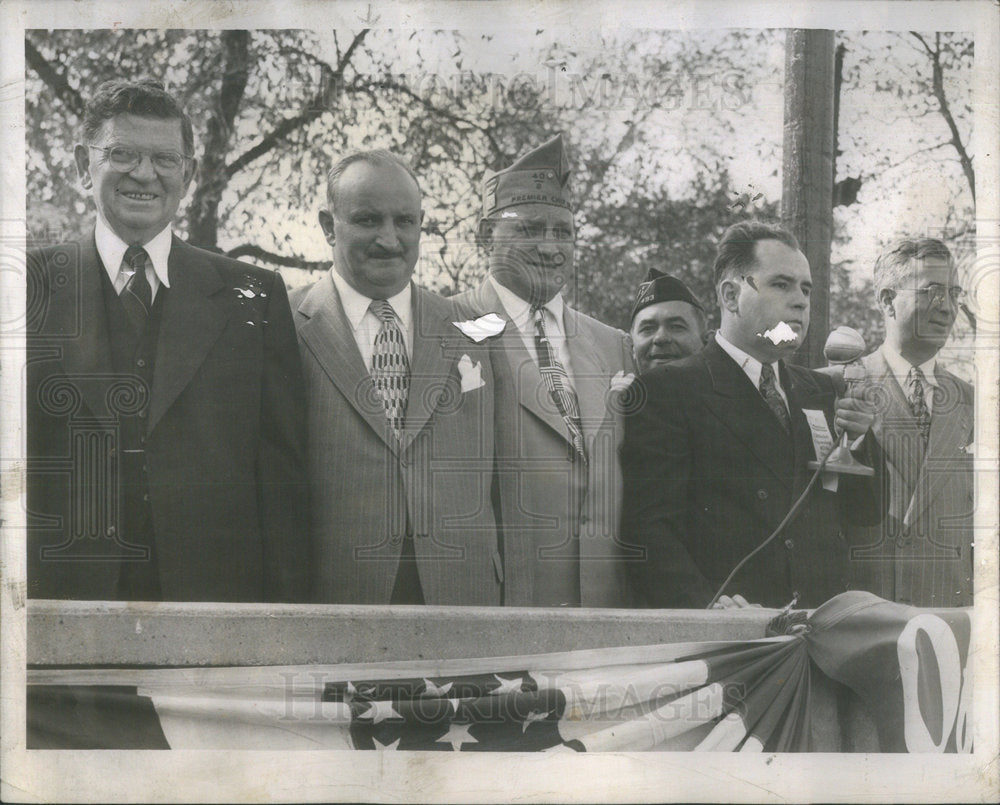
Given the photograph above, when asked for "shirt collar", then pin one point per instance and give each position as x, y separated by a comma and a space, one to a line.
900, 367
112, 249
748, 363
519, 311
356, 304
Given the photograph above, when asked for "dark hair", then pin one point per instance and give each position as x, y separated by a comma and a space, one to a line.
380, 157
736, 249
893, 265
145, 98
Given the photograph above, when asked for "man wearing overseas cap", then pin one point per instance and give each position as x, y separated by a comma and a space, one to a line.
558, 425
717, 452
668, 322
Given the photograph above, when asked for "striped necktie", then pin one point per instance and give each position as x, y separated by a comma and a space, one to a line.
558, 384
918, 402
390, 368
769, 391
137, 295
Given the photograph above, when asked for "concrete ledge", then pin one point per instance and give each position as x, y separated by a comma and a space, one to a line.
206, 634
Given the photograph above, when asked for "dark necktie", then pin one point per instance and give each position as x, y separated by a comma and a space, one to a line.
137, 295
769, 391
918, 402
558, 384
390, 368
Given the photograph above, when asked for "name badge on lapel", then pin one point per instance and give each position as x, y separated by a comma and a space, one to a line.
822, 443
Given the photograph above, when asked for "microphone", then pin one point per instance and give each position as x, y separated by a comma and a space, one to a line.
844, 347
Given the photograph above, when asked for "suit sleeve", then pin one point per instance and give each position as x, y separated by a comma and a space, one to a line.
657, 461
862, 500
282, 487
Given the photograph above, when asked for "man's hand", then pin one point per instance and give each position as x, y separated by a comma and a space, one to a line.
854, 416
736, 602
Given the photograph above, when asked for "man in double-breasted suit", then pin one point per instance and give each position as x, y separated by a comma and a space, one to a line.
400, 410
559, 377
717, 446
922, 552
164, 392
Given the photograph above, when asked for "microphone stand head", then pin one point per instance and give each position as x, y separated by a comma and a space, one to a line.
844, 346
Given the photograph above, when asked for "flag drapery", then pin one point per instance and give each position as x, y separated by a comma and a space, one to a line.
908, 665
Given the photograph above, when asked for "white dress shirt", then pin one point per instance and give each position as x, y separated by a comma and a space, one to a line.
750, 365
900, 368
112, 249
365, 324
519, 312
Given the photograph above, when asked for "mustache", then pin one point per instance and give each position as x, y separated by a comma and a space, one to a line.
382, 254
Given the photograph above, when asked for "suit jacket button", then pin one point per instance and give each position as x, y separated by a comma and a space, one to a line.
761, 494
790, 544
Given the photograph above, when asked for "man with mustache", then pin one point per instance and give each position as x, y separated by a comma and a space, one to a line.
557, 372
400, 410
668, 322
164, 400
922, 553
716, 449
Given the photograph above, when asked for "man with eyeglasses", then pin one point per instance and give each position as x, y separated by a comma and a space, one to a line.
164, 391
922, 553
558, 374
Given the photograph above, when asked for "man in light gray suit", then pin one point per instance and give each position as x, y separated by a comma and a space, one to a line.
922, 553
559, 377
400, 410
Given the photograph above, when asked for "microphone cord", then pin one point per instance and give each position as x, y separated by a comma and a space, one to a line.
781, 526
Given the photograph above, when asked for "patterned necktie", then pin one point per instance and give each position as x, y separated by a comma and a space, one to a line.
918, 402
769, 391
137, 295
558, 384
390, 368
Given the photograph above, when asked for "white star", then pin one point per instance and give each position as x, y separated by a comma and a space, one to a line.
457, 735
534, 716
430, 689
506, 685
379, 712
381, 746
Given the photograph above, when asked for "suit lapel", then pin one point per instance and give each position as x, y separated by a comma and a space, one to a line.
951, 426
328, 336
192, 322
76, 313
432, 364
590, 374
741, 410
531, 389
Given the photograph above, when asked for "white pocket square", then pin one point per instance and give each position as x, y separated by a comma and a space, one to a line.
621, 381
471, 374
482, 328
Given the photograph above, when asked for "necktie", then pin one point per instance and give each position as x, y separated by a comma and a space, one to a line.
917, 400
137, 295
390, 368
769, 391
558, 384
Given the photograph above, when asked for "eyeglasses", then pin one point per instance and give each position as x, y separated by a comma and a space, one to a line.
127, 159
935, 294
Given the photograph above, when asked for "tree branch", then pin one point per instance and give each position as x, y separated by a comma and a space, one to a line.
53, 79
252, 250
316, 107
956, 139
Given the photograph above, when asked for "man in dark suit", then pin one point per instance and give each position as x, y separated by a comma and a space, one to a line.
400, 410
921, 554
558, 374
164, 392
716, 452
